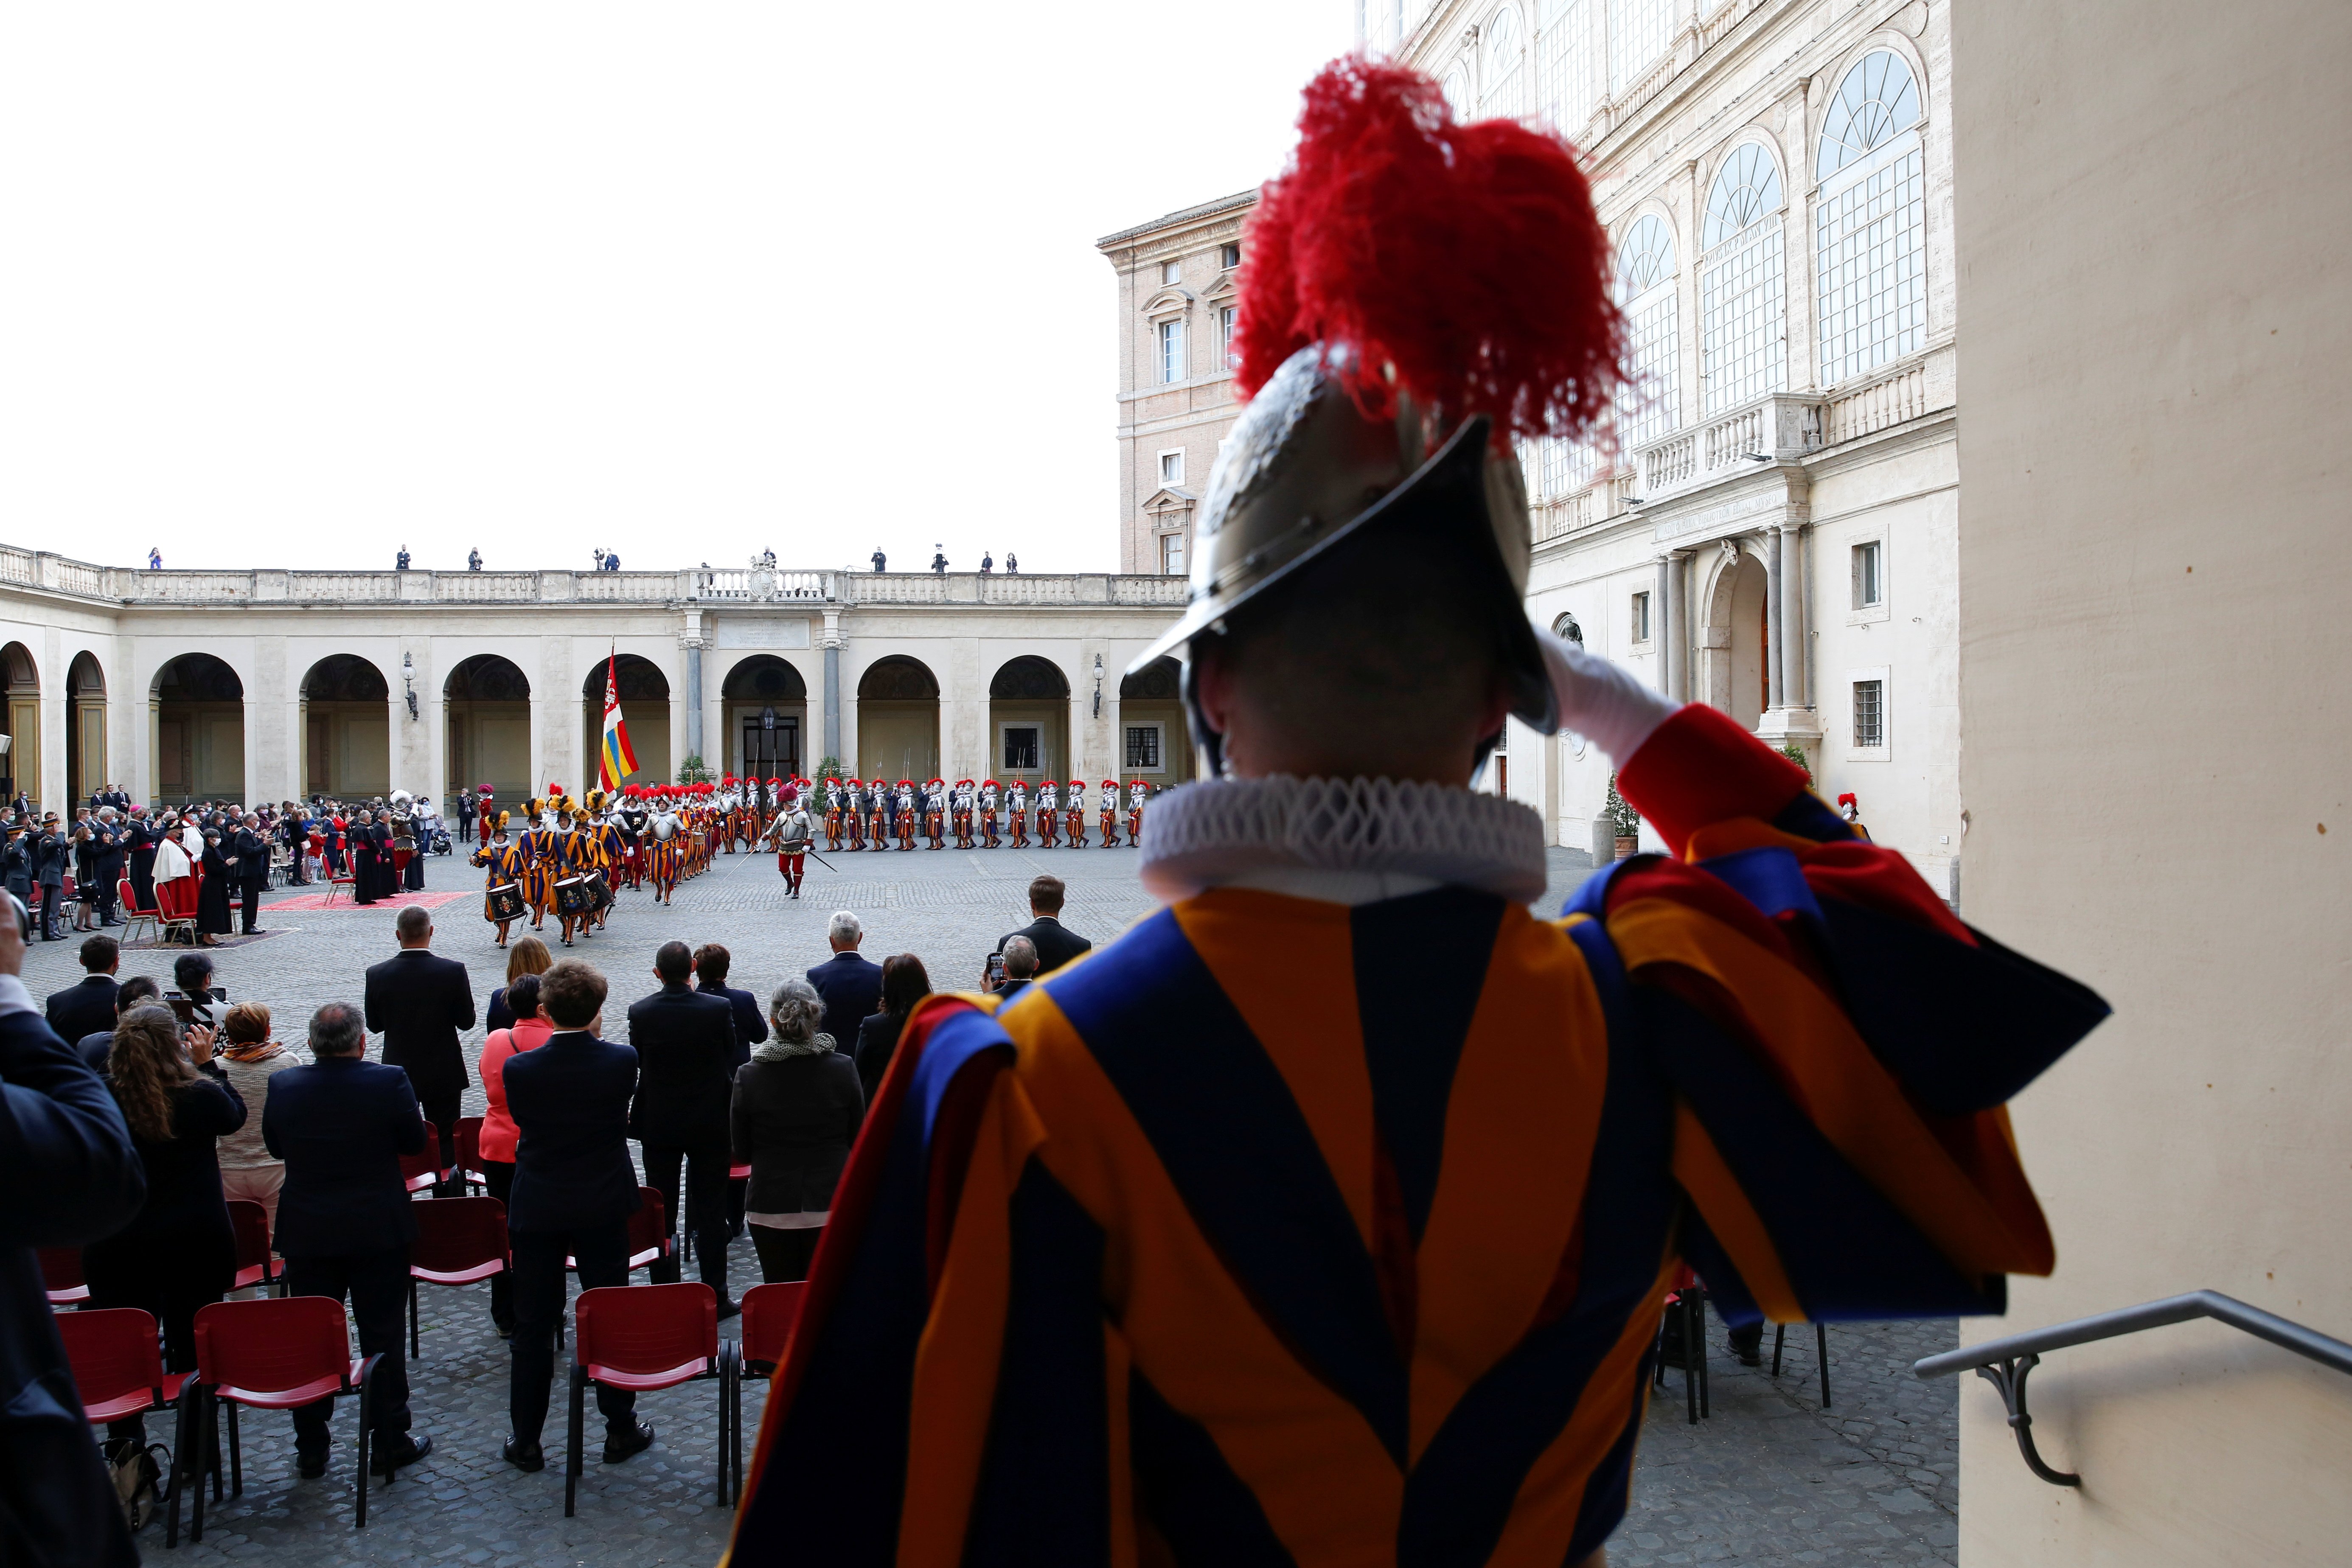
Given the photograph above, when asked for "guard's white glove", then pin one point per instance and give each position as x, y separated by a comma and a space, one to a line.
1601, 699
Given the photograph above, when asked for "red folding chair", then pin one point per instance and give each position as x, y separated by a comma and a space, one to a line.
649, 1239
120, 1374
127, 898
276, 1354
62, 1273
470, 1174
423, 1169
254, 1264
459, 1241
768, 1313
642, 1338
175, 905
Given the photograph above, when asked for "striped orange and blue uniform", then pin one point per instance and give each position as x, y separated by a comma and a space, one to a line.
1280, 1231
504, 864
541, 864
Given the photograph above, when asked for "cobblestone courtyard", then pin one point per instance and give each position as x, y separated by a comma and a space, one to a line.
1771, 1478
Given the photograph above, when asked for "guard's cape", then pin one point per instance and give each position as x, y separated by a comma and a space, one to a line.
1283, 1232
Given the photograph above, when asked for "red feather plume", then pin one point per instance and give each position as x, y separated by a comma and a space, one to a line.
1465, 261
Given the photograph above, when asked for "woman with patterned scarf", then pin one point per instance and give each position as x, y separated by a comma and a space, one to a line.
249, 1056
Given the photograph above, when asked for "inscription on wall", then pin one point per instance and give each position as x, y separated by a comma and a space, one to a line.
762, 631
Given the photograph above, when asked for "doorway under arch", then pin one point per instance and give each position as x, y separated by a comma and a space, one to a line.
898, 719
346, 729
86, 771
199, 731
1028, 721
645, 705
763, 712
20, 720
1736, 662
487, 699
1155, 746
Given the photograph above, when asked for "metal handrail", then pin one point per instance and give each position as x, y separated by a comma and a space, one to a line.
2004, 1362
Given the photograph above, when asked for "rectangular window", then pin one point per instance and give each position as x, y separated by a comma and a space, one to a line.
1740, 314
1170, 271
1172, 467
1226, 318
1641, 617
1229, 257
1144, 748
1870, 712
1639, 33
1171, 554
1647, 405
1564, 65
1172, 352
1871, 243
1021, 747
1868, 589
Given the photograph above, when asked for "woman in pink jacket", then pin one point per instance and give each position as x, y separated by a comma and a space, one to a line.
498, 1142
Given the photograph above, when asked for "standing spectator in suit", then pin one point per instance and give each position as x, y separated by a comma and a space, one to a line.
905, 982
1057, 943
179, 1252
252, 1058
215, 916
93, 1046
527, 955
143, 840
711, 962
686, 1066
50, 852
251, 846
294, 829
850, 984
73, 1177
418, 1004
109, 844
796, 1113
1020, 967
574, 1191
464, 817
341, 1125
86, 1009
496, 1143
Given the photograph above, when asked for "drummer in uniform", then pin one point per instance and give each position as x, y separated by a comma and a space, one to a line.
611, 850
576, 854
502, 896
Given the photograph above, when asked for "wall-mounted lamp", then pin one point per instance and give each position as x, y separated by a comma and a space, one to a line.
408, 680
1098, 674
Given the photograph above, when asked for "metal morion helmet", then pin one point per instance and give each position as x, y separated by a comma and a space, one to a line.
1418, 296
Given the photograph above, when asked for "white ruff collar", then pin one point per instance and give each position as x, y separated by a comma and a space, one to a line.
1342, 840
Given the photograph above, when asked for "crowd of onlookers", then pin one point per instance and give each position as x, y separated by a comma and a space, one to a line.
205, 1099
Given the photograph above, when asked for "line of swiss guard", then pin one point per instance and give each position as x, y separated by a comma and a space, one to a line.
862, 814
1327, 1215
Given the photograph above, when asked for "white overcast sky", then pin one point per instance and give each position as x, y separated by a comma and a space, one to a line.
292, 284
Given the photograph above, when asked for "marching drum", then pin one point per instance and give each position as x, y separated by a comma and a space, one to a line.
575, 896
506, 903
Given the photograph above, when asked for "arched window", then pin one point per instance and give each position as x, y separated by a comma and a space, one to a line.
1564, 75
1870, 221
1505, 51
1456, 88
1640, 31
1648, 407
1742, 305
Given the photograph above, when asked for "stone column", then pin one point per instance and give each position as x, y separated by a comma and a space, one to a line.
963, 712
832, 646
1677, 649
1663, 623
424, 751
692, 643
1793, 686
1777, 639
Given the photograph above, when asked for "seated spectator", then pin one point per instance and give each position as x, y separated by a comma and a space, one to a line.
850, 984
92, 1047
73, 1176
1020, 965
497, 1144
529, 956
796, 1112
905, 982
88, 1008
342, 1124
249, 1056
179, 1253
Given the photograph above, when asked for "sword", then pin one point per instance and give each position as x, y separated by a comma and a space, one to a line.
821, 860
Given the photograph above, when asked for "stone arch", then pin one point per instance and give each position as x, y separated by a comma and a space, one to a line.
1737, 635
1152, 700
487, 704
199, 734
1028, 719
644, 706
763, 716
85, 769
20, 720
346, 729
898, 719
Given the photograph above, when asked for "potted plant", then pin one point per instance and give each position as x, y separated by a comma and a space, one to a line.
1623, 820
1796, 754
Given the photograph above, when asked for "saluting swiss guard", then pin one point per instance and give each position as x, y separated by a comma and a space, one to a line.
1324, 1217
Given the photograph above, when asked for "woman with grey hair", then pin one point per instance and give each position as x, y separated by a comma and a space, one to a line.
796, 1112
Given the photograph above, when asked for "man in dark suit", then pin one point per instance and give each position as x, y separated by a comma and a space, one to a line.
686, 1077
418, 1004
573, 1193
109, 846
73, 1177
250, 848
851, 987
50, 853
84, 1009
711, 962
344, 1221
94, 1045
1057, 943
